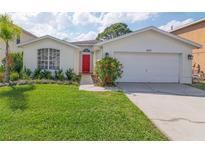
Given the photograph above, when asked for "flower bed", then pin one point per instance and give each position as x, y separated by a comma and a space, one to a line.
26, 82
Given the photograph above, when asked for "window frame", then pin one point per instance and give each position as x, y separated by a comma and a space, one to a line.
86, 50
18, 39
53, 56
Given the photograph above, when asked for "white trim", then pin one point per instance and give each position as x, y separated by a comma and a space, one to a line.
195, 45
47, 37
187, 25
152, 52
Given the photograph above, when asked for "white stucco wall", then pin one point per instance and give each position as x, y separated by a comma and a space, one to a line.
69, 56
156, 43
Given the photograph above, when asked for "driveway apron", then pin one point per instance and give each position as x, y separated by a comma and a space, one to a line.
177, 110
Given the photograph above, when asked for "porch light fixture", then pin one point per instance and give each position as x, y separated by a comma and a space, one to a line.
190, 57
106, 54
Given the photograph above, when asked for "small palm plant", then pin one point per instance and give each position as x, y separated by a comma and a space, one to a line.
8, 32
69, 74
59, 75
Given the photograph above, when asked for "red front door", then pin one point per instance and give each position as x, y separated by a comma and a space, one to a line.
86, 64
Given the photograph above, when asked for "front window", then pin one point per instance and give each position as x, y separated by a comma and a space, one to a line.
86, 50
49, 58
18, 40
54, 59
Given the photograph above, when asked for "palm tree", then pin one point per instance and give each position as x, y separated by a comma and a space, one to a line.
8, 32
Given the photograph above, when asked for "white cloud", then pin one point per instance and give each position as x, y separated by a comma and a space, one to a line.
86, 36
174, 24
46, 29
60, 24
84, 18
106, 19
113, 17
45, 23
22, 16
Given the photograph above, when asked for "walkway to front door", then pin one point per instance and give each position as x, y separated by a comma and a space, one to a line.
86, 80
87, 84
86, 64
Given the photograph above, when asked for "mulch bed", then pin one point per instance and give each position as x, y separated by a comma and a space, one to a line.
97, 82
95, 79
27, 82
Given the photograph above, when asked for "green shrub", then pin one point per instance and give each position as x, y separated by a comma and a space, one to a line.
76, 78
15, 62
1, 76
14, 76
36, 73
59, 75
1, 68
25, 74
69, 74
72, 76
27, 71
108, 70
45, 74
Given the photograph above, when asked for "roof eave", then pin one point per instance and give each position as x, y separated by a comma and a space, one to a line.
188, 42
44, 37
187, 25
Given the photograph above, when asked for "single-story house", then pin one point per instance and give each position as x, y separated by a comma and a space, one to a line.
147, 55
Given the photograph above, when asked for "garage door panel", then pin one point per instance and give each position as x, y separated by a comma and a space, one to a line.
149, 67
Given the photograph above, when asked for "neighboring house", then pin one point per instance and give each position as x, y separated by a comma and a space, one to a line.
25, 36
195, 31
147, 55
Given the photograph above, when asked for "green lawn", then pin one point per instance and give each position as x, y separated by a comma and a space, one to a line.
200, 85
62, 112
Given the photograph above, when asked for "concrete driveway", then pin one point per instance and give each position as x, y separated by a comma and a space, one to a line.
177, 110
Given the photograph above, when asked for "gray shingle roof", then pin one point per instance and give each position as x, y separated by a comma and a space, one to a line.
87, 42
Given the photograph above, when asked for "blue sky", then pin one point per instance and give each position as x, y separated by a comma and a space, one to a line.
86, 25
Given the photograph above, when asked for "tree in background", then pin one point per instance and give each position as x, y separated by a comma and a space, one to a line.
8, 32
114, 30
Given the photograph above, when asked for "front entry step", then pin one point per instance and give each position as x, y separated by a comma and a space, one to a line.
86, 80
87, 84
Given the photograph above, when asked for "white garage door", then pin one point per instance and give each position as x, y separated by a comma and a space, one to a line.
149, 67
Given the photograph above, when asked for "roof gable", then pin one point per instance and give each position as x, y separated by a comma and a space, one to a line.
47, 37
85, 42
188, 42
